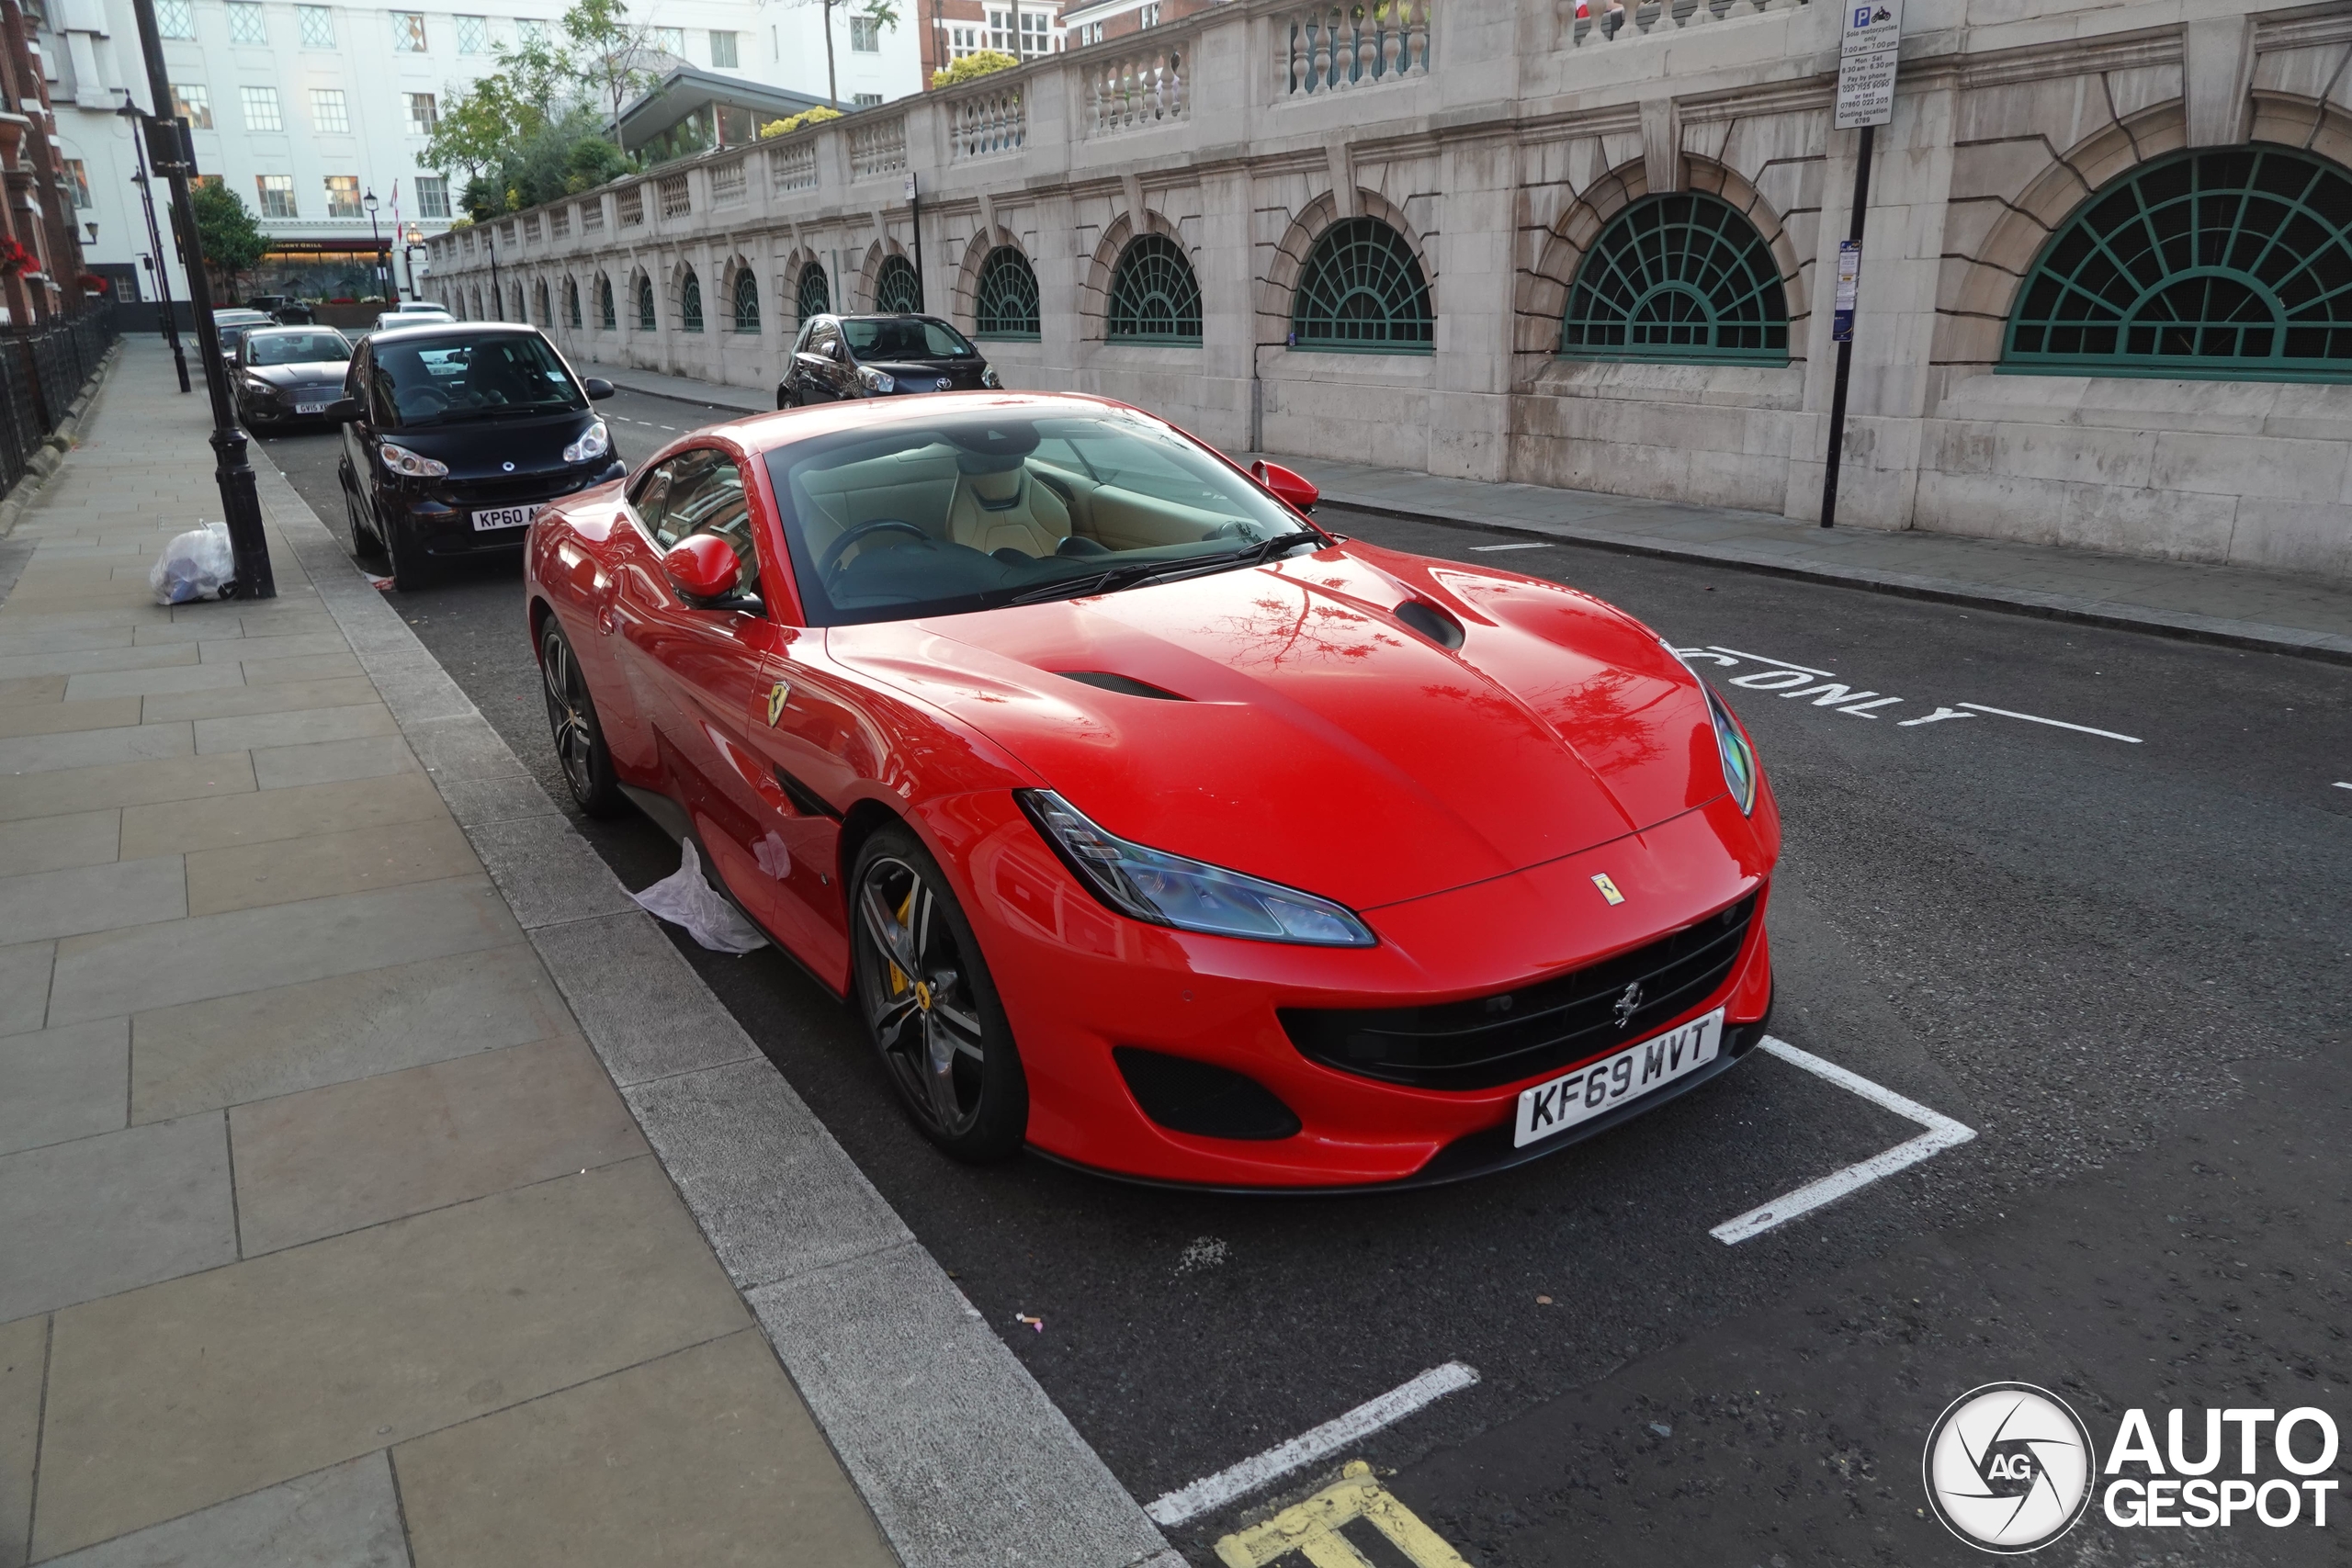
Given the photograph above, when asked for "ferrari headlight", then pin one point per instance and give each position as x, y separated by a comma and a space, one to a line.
1740, 757
594, 443
875, 381
1169, 890
415, 465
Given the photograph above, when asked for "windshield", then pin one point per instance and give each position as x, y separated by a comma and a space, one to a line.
454, 379
906, 337
966, 512
296, 348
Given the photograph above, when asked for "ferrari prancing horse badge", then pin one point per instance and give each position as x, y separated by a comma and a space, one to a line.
776, 695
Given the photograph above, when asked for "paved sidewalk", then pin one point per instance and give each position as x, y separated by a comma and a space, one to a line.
2216, 604
325, 1237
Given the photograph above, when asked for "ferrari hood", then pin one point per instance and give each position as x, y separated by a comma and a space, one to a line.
1285, 721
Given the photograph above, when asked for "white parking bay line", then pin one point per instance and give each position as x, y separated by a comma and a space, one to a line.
1540, 545
2052, 723
1263, 1469
1942, 1133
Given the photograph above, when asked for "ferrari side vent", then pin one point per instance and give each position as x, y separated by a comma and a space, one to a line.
1186, 1096
1126, 685
1430, 622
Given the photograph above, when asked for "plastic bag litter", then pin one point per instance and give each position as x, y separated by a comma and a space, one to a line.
195, 565
683, 899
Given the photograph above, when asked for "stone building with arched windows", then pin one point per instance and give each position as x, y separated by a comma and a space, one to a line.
2106, 296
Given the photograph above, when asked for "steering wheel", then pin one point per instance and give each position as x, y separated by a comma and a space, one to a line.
830, 562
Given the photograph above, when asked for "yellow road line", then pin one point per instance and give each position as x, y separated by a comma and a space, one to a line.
1311, 1530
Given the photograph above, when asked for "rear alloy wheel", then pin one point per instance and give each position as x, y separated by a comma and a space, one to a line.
930, 1006
580, 749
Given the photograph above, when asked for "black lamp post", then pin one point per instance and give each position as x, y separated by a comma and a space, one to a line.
156, 253
411, 240
175, 156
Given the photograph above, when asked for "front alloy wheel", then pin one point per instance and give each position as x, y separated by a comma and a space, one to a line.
930, 1006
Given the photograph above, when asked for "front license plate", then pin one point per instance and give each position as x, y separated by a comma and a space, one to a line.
310, 408
503, 517
1555, 1107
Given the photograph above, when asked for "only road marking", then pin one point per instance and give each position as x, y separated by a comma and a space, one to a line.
1312, 1530
1262, 1470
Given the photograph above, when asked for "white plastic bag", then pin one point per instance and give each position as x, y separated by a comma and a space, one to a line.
683, 899
195, 565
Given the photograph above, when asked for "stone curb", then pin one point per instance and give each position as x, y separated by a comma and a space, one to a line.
49, 456
961, 1456
2181, 624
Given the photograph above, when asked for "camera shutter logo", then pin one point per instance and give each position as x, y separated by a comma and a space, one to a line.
2008, 1468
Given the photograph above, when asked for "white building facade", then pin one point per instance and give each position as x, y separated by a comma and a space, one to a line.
306, 109
2106, 296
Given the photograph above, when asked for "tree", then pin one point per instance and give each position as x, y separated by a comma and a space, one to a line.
232, 241
884, 14
979, 63
612, 51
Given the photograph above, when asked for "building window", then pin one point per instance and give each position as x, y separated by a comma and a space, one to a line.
1154, 296
432, 196
1147, 15
1037, 32
1089, 33
690, 303
329, 114
1004, 304
245, 24
192, 104
865, 34
604, 302
645, 304
318, 26
77, 180
962, 41
343, 197
276, 194
424, 114
473, 35
866, 100
895, 288
722, 49
1362, 288
671, 40
747, 301
407, 33
813, 297
260, 107
547, 317
1678, 277
2225, 263
571, 303
531, 32
174, 18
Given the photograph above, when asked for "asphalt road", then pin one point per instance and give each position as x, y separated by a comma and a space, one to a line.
2124, 964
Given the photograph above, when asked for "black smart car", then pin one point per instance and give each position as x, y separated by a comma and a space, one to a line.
839, 357
455, 436
287, 373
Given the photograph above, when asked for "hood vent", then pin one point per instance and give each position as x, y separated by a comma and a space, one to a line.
1431, 623
1129, 686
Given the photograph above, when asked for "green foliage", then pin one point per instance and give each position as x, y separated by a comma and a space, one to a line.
232, 242
800, 122
562, 157
981, 63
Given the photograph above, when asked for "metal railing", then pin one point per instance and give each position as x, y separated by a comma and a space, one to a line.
43, 370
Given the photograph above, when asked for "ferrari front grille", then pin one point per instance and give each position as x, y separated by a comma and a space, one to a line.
1517, 1034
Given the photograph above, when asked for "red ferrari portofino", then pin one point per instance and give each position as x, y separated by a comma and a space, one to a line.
1145, 824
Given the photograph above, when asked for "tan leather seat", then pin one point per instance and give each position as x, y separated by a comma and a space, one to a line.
995, 511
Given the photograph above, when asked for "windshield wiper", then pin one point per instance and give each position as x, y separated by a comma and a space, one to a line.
1097, 582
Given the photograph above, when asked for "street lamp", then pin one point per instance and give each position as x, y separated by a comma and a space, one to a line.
156, 254
369, 201
412, 240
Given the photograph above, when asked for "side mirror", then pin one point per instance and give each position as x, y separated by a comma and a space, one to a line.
344, 411
1294, 490
597, 388
702, 569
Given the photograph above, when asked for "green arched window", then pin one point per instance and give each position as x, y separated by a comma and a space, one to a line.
1363, 289
1004, 304
894, 286
1154, 296
1684, 277
690, 302
571, 303
747, 301
813, 299
645, 323
604, 302
2228, 263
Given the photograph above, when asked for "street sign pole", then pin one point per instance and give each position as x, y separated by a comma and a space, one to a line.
1870, 35
914, 201
174, 155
